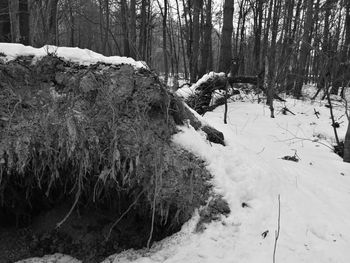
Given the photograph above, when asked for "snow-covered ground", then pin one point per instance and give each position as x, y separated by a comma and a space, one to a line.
314, 192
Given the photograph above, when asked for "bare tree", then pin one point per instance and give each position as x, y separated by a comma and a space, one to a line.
305, 49
125, 29
197, 6
133, 29
14, 18
226, 37
206, 51
346, 157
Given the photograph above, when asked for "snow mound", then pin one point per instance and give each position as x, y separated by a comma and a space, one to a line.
10, 51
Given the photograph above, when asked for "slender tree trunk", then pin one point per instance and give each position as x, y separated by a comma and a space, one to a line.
24, 22
290, 78
182, 40
226, 38
133, 52
101, 26
197, 5
14, 18
339, 59
5, 24
305, 49
266, 38
106, 31
164, 30
242, 41
149, 35
257, 44
315, 62
206, 40
188, 27
123, 9
72, 24
143, 30
285, 57
347, 54
272, 57
51, 12
346, 157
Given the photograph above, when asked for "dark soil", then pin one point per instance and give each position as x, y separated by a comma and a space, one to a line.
82, 236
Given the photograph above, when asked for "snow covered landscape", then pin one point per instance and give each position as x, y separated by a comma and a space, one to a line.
314, 192
175, 131
251, 173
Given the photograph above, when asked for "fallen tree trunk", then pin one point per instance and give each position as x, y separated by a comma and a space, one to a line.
200, 100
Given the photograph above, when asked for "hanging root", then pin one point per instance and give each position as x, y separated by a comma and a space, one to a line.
77, 196
122, 216
153, 210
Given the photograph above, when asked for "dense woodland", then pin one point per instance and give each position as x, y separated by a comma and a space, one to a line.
97, 158
288, 41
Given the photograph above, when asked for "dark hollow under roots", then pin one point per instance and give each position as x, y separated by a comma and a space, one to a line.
32, 232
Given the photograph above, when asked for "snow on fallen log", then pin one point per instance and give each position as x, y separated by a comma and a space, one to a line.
73, 54
199, 96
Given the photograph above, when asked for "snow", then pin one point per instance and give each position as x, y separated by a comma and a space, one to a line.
187, 91
81, 56
314, 192
56, 258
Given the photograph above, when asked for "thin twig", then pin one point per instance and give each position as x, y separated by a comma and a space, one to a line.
302, 139
153, 211
277, 232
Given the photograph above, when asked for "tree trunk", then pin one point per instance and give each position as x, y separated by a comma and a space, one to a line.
347, 77
51, 11
258, 28
106, 30
123, 9
5, 24
14, 18
165, 54
133, 52
346, 157
226, 38
272, 56
290, 78
206, 41
19, 21
188, 29
182, 40
143, 31
72, 24
24, 22
197, 6
305, 49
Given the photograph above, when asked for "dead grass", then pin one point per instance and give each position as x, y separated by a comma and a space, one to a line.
97, 135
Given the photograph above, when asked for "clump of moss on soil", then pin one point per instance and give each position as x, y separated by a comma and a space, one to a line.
81, 146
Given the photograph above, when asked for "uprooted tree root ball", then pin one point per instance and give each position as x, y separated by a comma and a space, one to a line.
86, 157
